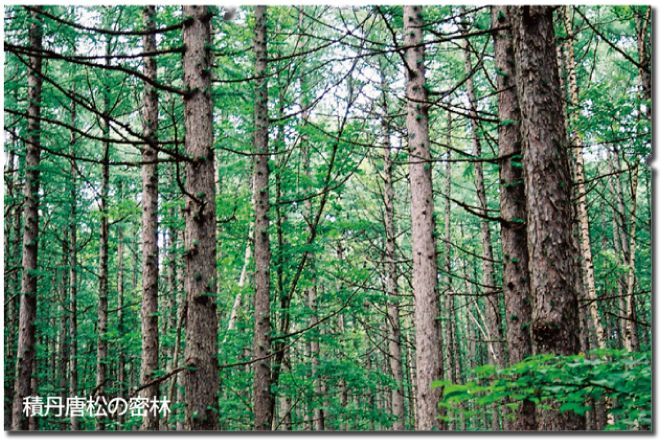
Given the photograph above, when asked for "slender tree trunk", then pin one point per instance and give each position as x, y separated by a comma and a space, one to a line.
515, 275
26, 352
548, 194
121, 362
236, 306
11, 293
394, 340
582, 213
102, 311
493, 325
150, 225
63, 335
630, 337
73, 271
263, 408
425, 271
642, 23
620, 239
201, 378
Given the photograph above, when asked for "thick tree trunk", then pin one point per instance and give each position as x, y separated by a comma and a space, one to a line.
201, 378
425, 271
262, 379
548, 194
582, 213
394, 340
515, 275
149, 224
26, 352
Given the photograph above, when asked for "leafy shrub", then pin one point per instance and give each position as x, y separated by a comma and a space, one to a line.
574, 382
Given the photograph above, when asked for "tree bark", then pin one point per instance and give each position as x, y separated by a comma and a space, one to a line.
26, 352
102, 311
394, 340
493, 325
73, 271
263, 397
201, 378
548, 194
582, 213
630, 337
425, 271
150, 224
515, 275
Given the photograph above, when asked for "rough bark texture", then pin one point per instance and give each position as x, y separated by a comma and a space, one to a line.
262, 395
201, 378
149, 224
515, 275
587, 262
26, 352
425, 271
548, 194
394, 340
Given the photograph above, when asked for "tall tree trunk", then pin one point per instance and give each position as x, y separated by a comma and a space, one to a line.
64, 336
11, 293
26, 352
493, 325
587, 262
548, 194
73, 270
515, 275
262, 394
121, 362
425, 271
102, 312
150, 224
630, 337
201, 378
394, 339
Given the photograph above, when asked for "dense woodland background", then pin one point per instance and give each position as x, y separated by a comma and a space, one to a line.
320, 218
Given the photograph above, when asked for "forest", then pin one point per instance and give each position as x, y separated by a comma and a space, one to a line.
322, 218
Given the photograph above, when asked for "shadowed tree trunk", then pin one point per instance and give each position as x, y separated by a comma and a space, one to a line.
425, 271
149, 225
201, 377
555, 324
26, 352
262, 394
515, 275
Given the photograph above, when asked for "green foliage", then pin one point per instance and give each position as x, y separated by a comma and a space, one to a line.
575, 382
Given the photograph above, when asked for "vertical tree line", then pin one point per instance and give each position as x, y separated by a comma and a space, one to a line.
320, 218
